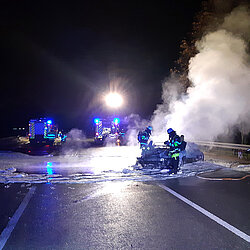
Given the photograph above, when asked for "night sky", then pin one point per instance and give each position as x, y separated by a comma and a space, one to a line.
58, 57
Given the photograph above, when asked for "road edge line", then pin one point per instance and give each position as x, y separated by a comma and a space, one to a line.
213, 217
15, 218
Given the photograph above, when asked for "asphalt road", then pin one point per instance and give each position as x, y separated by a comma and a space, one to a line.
125, 215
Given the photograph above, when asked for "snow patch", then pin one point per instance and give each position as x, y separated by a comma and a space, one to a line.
89, 165
127, 174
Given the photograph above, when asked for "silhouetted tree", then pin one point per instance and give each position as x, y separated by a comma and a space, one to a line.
211, 15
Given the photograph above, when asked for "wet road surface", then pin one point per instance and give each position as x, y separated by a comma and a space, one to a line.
127, 215
93, 199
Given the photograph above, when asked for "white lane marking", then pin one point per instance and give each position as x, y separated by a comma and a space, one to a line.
213, 217
13, 221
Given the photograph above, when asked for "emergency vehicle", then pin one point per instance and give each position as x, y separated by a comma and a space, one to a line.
109, 130
42, 131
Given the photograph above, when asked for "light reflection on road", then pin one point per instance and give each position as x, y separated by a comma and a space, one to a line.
114, 188
49, 168
90, 160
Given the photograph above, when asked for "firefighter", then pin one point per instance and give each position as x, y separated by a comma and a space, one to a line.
174, 143
182, 151
143, 138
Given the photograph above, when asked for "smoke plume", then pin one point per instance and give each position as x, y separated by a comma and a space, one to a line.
76, 140
135, 124
220, 93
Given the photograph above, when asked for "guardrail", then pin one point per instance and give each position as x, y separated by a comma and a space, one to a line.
223, 145
216, 145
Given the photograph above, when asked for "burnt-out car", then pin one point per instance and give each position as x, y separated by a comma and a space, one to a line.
193, 153
159, 157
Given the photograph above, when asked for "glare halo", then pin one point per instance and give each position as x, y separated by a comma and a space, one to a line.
114, 100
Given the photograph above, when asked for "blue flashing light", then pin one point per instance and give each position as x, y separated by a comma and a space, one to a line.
96, 120
49, 122
116, 121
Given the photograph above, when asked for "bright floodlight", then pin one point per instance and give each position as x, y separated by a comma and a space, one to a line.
114, 100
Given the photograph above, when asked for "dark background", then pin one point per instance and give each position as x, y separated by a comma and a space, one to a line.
58, 58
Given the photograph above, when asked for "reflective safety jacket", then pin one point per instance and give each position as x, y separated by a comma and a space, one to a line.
174, 144
143, 137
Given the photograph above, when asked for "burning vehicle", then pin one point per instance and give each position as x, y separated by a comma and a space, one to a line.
170, 155
158, 156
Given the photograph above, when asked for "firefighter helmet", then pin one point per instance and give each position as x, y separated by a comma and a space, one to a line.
148, 130
170, 130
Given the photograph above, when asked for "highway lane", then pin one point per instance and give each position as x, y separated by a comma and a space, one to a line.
11, 195
128, 214
229, 200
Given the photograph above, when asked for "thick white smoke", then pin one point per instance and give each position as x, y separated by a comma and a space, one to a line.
76, 140
135, 124
220, 94
171, 92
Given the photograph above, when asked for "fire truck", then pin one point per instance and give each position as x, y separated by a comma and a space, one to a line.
42, 131
109, 130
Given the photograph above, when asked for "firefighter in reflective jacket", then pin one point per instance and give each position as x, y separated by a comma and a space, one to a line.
174, 143
143, 138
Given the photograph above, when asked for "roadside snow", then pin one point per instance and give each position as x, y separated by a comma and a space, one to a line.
232, 165
88, 165
245, 168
